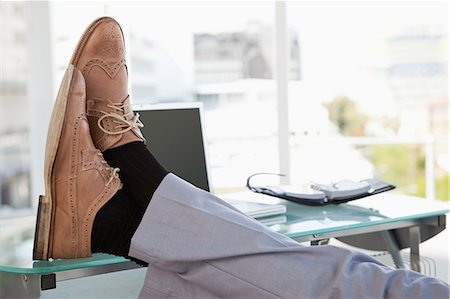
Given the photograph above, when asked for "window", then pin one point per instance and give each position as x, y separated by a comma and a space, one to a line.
368, 85
372, 77
14, 133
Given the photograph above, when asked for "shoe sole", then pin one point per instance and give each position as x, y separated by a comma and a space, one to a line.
46, 208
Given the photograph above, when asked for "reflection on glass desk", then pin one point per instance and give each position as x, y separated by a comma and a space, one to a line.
383, 212
302, 220
382, 222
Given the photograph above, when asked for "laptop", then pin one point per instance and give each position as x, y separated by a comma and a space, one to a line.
175, 136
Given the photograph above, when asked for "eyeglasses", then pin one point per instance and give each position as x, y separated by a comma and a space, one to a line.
265, 190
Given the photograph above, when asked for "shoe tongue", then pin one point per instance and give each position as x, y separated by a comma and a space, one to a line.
98, 104
127, 110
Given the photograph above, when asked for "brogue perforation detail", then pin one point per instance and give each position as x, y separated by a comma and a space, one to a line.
84, 158
96, 205
110, 70
72, 180
101, 166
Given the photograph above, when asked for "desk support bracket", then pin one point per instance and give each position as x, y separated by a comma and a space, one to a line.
320, 242
414, 241
393, 248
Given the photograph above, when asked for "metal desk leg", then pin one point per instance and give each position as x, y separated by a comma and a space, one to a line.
414, 242
394, 250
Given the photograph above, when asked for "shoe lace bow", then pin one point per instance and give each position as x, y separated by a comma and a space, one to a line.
124, 122
113, 171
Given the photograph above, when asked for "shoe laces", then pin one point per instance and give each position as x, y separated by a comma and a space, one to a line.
123, 121
113, 171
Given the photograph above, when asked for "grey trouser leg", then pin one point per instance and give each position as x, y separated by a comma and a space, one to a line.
197, 246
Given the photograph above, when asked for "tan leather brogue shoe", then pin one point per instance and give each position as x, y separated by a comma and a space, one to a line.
100, 55
78, 181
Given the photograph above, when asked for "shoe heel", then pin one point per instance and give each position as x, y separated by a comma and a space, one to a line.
42, 232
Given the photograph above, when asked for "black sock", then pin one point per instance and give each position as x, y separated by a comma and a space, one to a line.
115, 225
117, 221
140, 172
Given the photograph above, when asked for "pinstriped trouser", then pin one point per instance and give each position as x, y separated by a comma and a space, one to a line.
198, 246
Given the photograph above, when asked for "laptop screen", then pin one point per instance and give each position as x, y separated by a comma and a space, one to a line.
174, 135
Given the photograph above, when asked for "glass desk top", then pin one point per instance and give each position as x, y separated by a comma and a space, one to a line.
299, 220
302, 220
16, 254
29, 266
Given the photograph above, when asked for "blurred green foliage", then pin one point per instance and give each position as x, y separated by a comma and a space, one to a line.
344, 113
401, 165
404, 166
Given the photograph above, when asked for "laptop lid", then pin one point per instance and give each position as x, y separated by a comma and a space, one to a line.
175, 136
